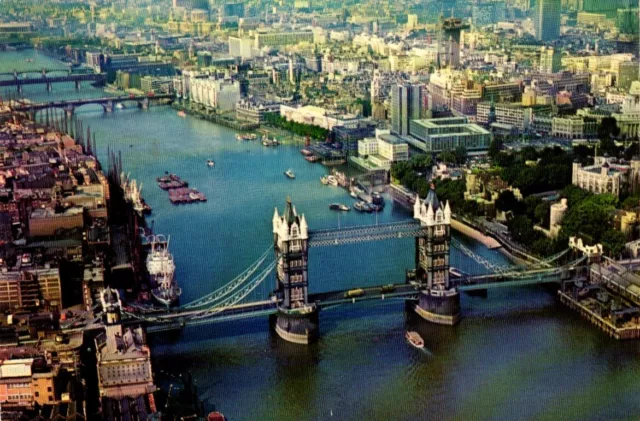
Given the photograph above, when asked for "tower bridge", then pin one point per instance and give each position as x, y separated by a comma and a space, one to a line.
432, 290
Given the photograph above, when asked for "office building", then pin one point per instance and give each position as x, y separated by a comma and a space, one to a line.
547, 20
550, 60
446, 134
406, 105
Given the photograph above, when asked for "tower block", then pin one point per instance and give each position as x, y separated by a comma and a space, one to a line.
296, 320
438, 301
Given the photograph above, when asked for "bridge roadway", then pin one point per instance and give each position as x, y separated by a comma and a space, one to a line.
46, 71
161, 320
54, 79
79, 102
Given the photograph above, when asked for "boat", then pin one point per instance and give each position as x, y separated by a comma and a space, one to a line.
340, 207
132, 195
270, 142
415, 339
159, 260
120, 105
182, 114
324, 180
361, 206
216, 416
28, 60
167, 291
377, 199
306, 152
332, 180
249, 136
312, 158
289, 173
210, 163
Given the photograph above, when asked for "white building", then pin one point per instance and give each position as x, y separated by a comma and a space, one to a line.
317, 116
383, 150
222, 94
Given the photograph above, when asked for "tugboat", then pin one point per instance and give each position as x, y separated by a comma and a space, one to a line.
167, 291
361, 206
414, 339
289, 173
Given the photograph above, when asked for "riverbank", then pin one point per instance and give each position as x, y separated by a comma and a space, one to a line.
220, 119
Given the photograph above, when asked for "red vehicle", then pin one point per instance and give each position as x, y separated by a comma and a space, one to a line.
150, 94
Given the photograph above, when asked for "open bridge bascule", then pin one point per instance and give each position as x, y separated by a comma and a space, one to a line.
432, 289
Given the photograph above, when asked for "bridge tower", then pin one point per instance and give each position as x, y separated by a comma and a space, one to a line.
296, 320
438, 301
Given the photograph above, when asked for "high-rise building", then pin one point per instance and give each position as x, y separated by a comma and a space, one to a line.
406, 105
451, 29
547, 20
550, 60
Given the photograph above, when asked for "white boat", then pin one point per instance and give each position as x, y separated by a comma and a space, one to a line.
159, 260
332, 180
324, 180
211, 163
415, 339
339, 207
120, 105
289, 173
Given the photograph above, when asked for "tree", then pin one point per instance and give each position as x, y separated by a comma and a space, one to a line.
613, 242
460, 154
506, 201
521, 229
448, 157
495, 147
608, 128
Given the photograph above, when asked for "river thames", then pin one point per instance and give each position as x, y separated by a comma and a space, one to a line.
517, 354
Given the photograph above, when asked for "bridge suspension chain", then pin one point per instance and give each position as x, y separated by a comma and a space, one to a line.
219, 307
478, 259
238, 296
229, 287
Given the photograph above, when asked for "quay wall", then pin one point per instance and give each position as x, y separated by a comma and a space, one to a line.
602, 324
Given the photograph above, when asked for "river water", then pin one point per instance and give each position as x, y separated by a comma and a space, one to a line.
517, 354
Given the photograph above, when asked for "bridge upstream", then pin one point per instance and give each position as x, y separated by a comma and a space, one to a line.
108, 103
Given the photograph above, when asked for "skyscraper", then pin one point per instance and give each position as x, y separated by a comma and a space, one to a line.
547, 20
406, 105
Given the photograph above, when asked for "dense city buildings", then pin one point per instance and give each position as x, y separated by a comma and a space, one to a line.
500, 136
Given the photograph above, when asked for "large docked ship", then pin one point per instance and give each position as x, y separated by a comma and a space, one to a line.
161, 267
